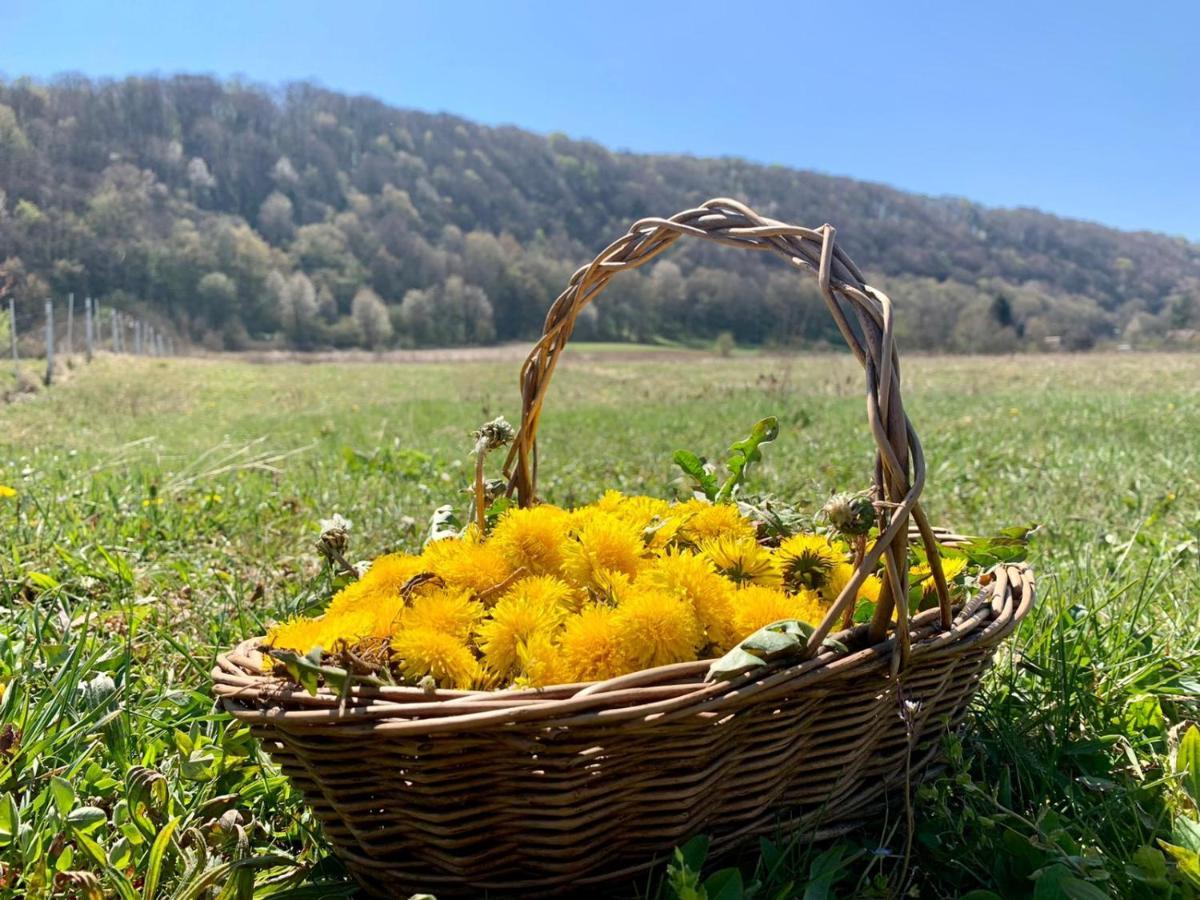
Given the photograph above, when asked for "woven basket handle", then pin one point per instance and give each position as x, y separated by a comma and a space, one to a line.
900, 464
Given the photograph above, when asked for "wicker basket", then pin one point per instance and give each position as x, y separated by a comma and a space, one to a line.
570, 787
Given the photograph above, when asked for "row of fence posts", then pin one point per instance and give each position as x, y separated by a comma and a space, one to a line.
126, 334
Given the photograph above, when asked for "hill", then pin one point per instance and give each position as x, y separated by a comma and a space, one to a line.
237, 216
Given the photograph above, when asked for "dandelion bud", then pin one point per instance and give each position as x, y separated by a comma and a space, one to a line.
493, 435
851, 514
335, 532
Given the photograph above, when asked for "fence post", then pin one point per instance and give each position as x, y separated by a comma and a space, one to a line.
49, 342
70, 323
118, 332
137, 337
89, 334
12, 322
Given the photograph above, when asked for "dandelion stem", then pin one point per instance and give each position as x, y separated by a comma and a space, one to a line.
480, 496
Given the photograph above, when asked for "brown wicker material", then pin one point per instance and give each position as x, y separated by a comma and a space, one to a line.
529, 792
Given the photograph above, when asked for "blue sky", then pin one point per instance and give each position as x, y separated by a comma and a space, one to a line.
1089, 110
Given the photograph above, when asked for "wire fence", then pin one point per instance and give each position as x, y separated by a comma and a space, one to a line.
60, 338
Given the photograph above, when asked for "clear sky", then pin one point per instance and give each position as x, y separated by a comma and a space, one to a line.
1085, 109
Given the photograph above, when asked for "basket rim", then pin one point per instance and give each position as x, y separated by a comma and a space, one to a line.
252, 694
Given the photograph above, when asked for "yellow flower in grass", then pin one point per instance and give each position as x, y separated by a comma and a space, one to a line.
604, 543
656, 628
466, 563
6, 492
447, 610
533, 539
742, 560
539, 661
419, 652
756, 607
695, 579
590, 647
532, 608
806, 561
701, 521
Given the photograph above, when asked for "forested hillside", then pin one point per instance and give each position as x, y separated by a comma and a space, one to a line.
236, 217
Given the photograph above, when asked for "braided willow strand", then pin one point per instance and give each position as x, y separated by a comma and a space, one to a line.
900, 462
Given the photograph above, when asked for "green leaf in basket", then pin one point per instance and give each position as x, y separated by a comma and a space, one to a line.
773, 518
1010, 545
864, 612
767, 644
734, 663
308, 672
746, 451
784, 639
694, 467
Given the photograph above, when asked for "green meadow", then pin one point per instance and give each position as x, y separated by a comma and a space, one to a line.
162, 510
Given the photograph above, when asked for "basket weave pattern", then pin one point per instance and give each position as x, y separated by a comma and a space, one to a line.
539, 791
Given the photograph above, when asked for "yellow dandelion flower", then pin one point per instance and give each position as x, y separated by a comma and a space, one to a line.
742, 561
839, 577
539, 662
610, 502
870, 589
604, 543
952, 567
661, 533
637, 510
590, 648
548, 591
466, 563
695, 579
302, 634
656, 628
703, 521
525, 611
423, 651
448, 610
391, 572
757, 606
806, 561
6, 492
533, 539
610, 587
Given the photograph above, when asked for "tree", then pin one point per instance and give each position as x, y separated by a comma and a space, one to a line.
141, 188
447, 315
295, 299
218, 294
198, 175
372, 317
275, 218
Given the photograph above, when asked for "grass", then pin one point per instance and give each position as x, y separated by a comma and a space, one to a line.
166, 509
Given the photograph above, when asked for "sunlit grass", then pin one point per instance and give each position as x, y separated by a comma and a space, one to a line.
167, 509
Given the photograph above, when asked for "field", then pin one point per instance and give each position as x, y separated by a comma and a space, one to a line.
164, 509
